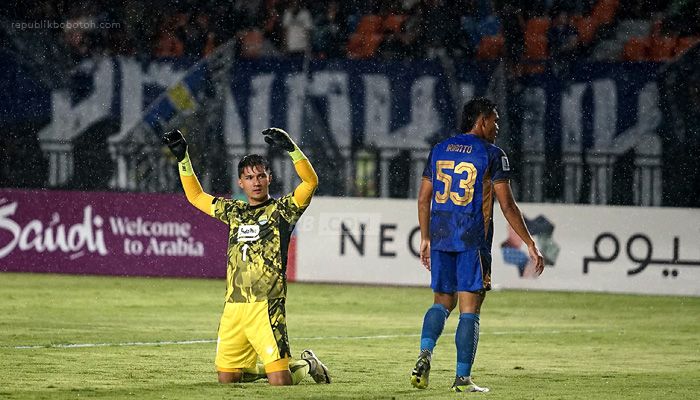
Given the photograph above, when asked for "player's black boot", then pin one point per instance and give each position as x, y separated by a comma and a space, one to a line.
421, 373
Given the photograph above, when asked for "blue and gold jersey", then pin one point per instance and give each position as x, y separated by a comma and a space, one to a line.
257, 247
463, 170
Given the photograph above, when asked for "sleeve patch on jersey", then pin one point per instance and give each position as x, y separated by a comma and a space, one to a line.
505, 165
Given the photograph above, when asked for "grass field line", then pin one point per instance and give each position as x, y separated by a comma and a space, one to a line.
368, 337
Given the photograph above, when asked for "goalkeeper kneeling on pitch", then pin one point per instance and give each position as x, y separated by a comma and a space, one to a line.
253, 324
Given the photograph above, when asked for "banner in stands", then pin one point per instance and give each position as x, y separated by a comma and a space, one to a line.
108, 234
388, 104
592, 135
587, 248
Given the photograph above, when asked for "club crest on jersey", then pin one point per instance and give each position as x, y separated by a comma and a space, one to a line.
505, 164
248, 233
262, 220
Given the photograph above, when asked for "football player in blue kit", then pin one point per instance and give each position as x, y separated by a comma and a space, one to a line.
455, 206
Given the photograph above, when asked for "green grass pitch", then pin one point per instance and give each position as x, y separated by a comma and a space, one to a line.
534, 345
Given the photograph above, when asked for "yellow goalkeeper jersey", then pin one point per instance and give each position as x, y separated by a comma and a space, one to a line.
258, 241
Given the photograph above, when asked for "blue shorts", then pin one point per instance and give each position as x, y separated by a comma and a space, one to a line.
464, 271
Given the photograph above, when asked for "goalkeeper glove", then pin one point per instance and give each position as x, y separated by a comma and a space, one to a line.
276, 137
176, 142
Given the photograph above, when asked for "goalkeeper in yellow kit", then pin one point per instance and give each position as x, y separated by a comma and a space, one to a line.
253, 324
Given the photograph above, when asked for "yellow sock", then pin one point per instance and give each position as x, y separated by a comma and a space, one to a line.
253, 374
299, 370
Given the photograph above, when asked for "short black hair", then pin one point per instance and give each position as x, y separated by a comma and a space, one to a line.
473, 109
253, 160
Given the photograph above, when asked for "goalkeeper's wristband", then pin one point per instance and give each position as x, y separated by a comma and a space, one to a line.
185, 166
297, 154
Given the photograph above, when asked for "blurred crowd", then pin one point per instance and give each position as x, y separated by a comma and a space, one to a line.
521, 32
528, 35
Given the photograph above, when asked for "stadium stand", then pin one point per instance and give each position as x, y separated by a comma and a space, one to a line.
490, 48
195, 28
529, 38
252, 43
686, 43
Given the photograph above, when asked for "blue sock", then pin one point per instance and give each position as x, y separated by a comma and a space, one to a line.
466, 339
433, 323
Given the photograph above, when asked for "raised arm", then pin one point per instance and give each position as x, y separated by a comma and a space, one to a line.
515, 218
193, 189
309, 180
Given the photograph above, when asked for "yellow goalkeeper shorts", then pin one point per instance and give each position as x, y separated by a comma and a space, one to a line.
251, 330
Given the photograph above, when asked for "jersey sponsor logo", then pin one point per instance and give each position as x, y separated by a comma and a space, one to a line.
248, 233
505, 165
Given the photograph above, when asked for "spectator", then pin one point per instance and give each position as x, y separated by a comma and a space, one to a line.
193, 35
272, 27
78, 35
468, 40
330, 35
223, 23
439, 28
392, 46
297, 25
476, 21
140, 24
411, 31
578, 7
682, 18
563, 39
409, 4
513, 25
249, 11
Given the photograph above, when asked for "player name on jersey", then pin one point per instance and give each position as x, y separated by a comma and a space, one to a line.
460, 148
